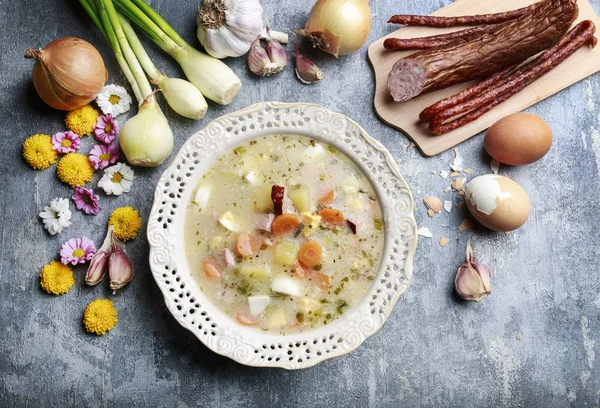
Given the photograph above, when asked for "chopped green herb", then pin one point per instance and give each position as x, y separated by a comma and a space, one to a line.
340, 305
377, 224
318, 267
239, 150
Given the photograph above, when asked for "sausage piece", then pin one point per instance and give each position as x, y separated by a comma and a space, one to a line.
422, 43
491, 85
428, 113
484, 54
439, 21
443, 105
582, 34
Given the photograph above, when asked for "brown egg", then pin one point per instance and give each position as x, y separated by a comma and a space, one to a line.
497, 202
518, 139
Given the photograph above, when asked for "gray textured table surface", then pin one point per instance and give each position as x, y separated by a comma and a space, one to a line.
533, 342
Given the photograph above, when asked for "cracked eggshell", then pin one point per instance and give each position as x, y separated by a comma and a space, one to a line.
497, 202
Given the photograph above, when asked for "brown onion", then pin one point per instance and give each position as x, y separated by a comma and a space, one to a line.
68, 74
338, 27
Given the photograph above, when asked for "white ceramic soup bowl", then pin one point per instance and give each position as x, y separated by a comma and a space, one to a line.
223, 334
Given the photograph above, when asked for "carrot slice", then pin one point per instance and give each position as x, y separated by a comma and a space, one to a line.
245, 319
321, 280
327, 198
284, 223
301, 271
331, 216
211, 270
310, 253
247, 245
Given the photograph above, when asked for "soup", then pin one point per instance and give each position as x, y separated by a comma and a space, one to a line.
284, 233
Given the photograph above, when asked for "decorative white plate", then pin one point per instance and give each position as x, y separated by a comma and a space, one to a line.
216, 330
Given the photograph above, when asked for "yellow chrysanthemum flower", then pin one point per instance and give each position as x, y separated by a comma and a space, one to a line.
38, 152
56, 278
100, 316
74, 169
126, 221
82, 120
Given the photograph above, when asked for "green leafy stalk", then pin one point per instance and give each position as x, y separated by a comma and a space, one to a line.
114, 43
164, 26
89, 9
145, 23
136, 68
141, 54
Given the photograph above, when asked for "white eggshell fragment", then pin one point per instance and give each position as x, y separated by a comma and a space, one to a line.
497, 202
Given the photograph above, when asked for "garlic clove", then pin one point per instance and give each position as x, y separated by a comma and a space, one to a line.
473, 279
277, 53
120, 268
306, 70
257, 58
97, 268
259, 62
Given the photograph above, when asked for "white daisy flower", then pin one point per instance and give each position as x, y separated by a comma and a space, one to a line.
113, 99
56, 216
117, 179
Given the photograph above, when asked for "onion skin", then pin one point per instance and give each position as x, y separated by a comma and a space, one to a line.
68, 74
338, 27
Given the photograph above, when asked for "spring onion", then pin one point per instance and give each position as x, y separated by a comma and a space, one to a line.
183, 97
211, 76
146, 139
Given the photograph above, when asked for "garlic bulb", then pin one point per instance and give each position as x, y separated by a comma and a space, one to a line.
227, 28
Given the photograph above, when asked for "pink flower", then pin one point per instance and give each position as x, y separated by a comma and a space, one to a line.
77, 250
106, 129
101, 156
86, 200
65, 142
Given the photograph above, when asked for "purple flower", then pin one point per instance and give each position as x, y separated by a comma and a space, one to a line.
65, 142
86, 200
77, 250
106, 129
101, 156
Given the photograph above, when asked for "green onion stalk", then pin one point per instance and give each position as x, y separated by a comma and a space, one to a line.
146, 138
182, 96
215, 80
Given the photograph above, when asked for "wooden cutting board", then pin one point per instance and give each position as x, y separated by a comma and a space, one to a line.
404, 116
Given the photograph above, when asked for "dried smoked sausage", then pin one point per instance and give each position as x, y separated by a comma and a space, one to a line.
514, 83
422, 43
483, 55
440, 21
